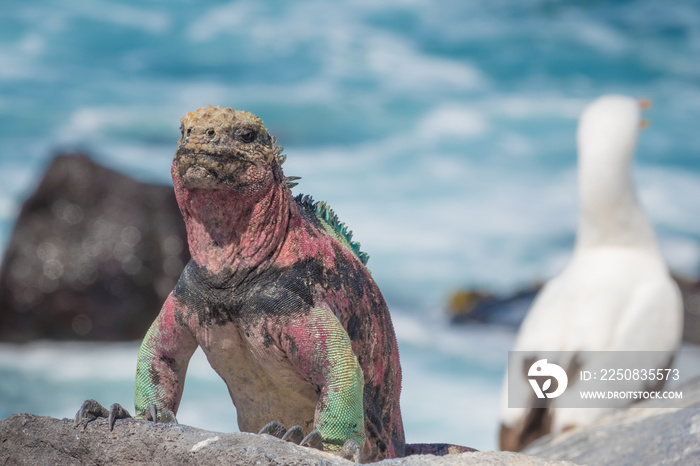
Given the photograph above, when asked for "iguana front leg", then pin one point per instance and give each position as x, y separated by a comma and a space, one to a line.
319, 347
160, 372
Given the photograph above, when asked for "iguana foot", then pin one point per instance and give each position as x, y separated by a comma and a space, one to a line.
166, 416
91, 410
294, 435
350, 450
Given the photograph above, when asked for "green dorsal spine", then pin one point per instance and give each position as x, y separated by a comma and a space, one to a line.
332, 223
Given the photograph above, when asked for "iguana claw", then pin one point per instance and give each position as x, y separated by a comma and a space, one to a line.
116, 411
313, 440
169, 417
151, 413
294, 435
273, 428
91, 410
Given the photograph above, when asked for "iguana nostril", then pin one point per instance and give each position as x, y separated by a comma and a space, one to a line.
211, 132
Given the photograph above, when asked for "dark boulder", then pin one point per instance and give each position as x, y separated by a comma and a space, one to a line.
93, 256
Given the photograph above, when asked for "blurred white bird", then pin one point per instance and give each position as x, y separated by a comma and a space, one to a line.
616, 293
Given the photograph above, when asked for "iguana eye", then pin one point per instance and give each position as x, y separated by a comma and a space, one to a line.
248, 135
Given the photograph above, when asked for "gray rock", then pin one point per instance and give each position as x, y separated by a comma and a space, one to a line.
30, 440
481, 458
93, 256
26, 439
648, 433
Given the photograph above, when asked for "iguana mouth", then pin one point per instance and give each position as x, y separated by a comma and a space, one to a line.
207, 170
209, 157
209, 152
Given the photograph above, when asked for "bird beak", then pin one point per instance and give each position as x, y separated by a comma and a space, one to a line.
644, 104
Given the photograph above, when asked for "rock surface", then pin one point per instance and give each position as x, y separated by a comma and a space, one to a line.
647, 434
26, 439
92, 257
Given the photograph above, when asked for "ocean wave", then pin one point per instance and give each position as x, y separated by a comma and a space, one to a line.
444, 137
133, 16
403, 69
16, 65
453, 122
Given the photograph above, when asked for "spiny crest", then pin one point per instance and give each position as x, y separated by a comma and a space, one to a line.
331, 221
290, 180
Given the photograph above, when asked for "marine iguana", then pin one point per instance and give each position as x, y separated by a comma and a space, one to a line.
278, 296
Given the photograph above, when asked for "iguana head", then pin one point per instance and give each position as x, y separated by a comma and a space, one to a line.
222, 148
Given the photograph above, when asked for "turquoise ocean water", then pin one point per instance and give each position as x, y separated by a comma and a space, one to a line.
441, 132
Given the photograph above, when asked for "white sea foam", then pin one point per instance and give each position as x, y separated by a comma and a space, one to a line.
14, 65
529, 106
89, 123
452, 122
403, 69
130, 158
135, 17
670, 195
603, 38
223, 19
112, 362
